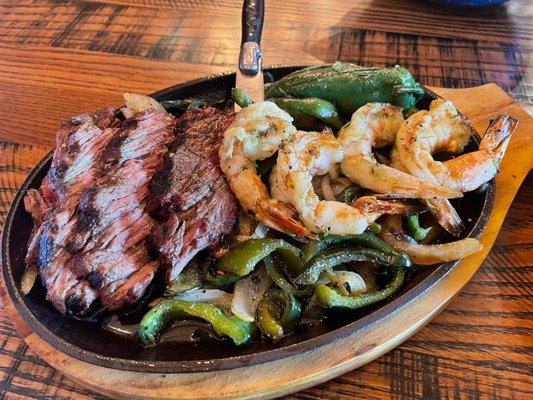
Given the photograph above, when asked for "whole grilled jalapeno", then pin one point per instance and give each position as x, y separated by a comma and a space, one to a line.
306, 111
350, 86
277, 313
170, 309
242, 258
331, 258
329, 297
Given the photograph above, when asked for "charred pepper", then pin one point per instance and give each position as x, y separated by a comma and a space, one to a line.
329, 297
414, 229
170, 309
306, 111
365, 239
331, 258
242, 258
278, 313
349, 86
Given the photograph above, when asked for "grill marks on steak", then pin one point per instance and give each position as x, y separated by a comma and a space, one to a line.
192, 192
79, 144
91, 241
114, 223
91, 212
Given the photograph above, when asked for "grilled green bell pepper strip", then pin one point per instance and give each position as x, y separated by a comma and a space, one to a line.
240, 97
189, 279
331, 258
350, 193
220, 279
212, 276
325, 242
242, 258
276, 273
414, 229
277, 313
169, 309
349, 86
304, 111
328, 297
374, 228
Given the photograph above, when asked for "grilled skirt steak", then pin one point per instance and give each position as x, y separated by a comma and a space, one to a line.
197, 204
92, 240
75, 161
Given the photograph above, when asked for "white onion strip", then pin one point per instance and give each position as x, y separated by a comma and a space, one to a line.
422, 254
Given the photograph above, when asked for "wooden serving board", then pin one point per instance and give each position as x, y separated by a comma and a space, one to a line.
307, 369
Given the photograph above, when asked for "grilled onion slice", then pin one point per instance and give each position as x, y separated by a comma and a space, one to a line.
426, 254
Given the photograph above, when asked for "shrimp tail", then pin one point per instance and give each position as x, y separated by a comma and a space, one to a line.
371, 204
446, 215
281, 216
410, 186
498, 134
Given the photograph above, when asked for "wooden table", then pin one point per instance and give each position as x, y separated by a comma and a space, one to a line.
58, 58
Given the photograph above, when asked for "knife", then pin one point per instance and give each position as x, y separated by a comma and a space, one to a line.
249, 75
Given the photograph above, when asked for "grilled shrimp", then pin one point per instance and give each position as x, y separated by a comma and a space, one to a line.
376, 125
442, 128
308, 154
442, 209
256, 134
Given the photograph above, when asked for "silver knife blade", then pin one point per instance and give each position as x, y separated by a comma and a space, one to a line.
252, 81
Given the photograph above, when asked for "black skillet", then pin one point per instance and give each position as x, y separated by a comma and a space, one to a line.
89, 342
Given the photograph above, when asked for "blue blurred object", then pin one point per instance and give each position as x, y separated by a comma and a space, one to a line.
469, 3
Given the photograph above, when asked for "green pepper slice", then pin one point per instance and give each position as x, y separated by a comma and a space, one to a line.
414, 229
242, 258
304, 111
240, 97
331, 258
169, 309
277, 313
328, 297
276, 273
188, 279
350, 193
374, 228
325, 242
219, 279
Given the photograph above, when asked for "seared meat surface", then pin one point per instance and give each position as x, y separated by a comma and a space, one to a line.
197, 204
92, 240
92, 213
79, 144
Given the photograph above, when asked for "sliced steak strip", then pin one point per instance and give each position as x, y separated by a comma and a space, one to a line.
196, 202
113, 223
79, 145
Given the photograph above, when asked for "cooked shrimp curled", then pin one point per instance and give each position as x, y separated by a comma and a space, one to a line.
308, 154
256, 134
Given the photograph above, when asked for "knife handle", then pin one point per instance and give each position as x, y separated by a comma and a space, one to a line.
253, 12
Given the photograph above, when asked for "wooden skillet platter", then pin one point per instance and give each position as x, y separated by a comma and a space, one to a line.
292, 368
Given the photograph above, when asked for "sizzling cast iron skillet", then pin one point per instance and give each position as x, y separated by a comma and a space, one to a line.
89, 342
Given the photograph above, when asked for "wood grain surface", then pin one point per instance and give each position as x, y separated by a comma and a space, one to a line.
58, 58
